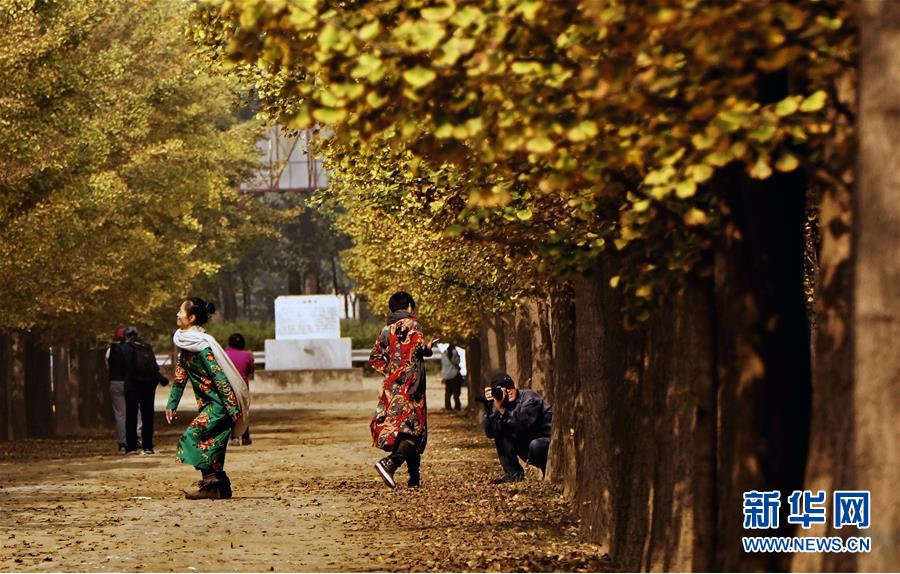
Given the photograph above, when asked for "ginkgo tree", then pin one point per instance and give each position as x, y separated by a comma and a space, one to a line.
120, 165
608, 120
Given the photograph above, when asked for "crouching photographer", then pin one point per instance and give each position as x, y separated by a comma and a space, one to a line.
519, 422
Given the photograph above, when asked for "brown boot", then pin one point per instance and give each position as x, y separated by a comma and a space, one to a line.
206, 488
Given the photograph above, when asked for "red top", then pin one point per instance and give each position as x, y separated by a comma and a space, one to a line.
243, 362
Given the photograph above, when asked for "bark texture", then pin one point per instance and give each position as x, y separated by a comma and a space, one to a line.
876, 305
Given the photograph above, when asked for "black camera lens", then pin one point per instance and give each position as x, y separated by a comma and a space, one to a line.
497, 392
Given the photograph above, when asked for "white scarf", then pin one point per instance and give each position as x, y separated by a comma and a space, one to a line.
194, 340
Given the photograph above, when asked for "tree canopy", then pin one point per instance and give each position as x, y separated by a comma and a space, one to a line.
119, 167
577, 128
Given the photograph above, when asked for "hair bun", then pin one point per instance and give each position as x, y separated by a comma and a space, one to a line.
210, 308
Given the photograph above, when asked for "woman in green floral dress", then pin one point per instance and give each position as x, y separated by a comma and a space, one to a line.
222, 399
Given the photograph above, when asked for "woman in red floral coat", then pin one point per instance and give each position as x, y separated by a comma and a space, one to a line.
400, 423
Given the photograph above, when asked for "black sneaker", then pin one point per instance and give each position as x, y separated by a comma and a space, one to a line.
414, 482
509, 477
386, 467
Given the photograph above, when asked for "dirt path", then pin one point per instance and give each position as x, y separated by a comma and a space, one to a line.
306, 498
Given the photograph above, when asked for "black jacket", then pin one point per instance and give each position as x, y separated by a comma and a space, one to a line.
120, 358
529, 416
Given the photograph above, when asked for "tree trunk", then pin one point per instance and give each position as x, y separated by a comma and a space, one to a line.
474, 374
876, 305
763, 355
563, 389
247, 295
830, 463
295, 283
5, 378
506, 330
525, 332
65, 394
334, 278
89, 370
311, 282
227, 295
17, 427
38, 390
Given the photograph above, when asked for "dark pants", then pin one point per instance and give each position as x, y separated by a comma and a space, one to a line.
139, 398
406, 451
533, 451
452, 388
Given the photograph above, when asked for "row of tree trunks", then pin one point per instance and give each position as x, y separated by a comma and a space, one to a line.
658, 430
48, 392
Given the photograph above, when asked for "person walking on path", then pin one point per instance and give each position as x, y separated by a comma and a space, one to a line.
118, 359
243, 362
451, 376
399, 425
140, 392
222, 397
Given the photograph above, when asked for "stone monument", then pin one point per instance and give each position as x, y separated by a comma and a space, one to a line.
308, 335
308, 353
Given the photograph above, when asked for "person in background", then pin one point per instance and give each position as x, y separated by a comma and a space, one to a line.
140, 393
118, 359
399, 425
451, 376
243, 362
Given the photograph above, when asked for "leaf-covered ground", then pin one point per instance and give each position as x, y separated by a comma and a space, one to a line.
306, 499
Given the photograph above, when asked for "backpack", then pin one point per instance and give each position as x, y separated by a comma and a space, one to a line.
117, 362
145, 367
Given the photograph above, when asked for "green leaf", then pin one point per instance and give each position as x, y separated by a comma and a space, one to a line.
530, 9
686, 188
330, 115
787, 106
370, 30
453, 49
583, 131
763, 133
438, 13
702, 141
524, 214
541, 144
525, 67
814, 102
419, 77
701, 172
642, 205
423, 35
444, 131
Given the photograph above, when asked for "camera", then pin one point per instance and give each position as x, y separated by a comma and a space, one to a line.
497, 392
